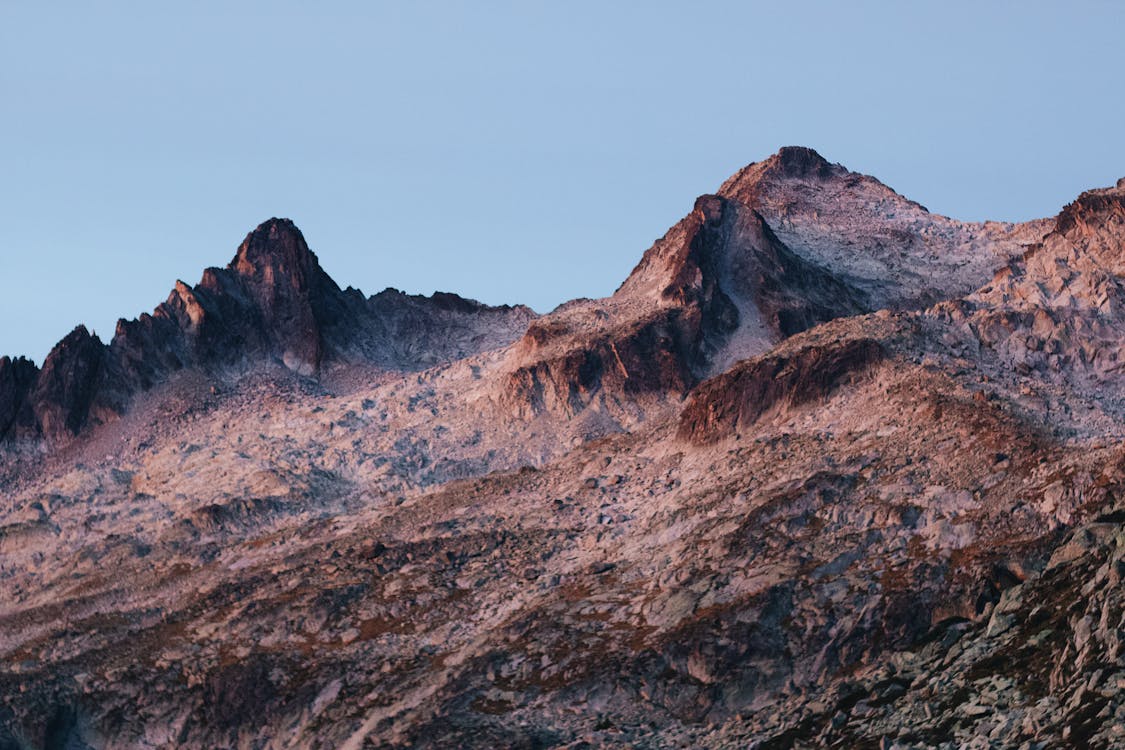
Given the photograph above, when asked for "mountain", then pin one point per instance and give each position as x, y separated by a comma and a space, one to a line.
273, 303
785, 244
897, 252
826, 470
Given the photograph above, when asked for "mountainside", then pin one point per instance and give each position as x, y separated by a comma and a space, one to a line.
826, 470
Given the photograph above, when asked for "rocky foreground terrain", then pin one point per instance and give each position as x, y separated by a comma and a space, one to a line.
827, 470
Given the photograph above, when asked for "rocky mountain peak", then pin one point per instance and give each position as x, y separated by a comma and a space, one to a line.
68, 382
803, 162
790, 163
275, 250
891, 248
273, 304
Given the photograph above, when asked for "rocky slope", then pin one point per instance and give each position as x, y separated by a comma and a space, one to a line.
892, 248
825, 471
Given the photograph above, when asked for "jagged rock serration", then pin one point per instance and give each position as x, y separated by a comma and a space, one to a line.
272, 303
827, 470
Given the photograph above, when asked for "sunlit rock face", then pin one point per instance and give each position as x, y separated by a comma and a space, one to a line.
826, 470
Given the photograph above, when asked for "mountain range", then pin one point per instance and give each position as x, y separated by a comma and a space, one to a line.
826, 470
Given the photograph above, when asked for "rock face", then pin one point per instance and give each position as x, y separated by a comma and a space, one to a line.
719, 286
826, 470
17, 376
738, 397
67, 386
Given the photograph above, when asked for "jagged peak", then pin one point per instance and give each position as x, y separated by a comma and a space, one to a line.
276, 244
17, 362
78, 334
79, 340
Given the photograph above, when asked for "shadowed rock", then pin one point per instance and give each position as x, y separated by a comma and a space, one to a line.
736, 399
719, 286
68, 383
17, 376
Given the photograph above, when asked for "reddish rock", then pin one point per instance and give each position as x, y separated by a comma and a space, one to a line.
720, 284
734, 400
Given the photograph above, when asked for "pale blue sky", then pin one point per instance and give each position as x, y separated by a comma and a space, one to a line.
511, 152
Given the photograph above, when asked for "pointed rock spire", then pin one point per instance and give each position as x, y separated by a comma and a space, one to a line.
67, 384
275, 252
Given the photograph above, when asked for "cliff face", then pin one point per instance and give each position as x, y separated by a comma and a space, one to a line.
827, 470
737, 398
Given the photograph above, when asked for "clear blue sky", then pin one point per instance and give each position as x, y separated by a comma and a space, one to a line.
512, 152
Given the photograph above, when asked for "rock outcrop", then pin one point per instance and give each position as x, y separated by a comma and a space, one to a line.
737, 398
67, 386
